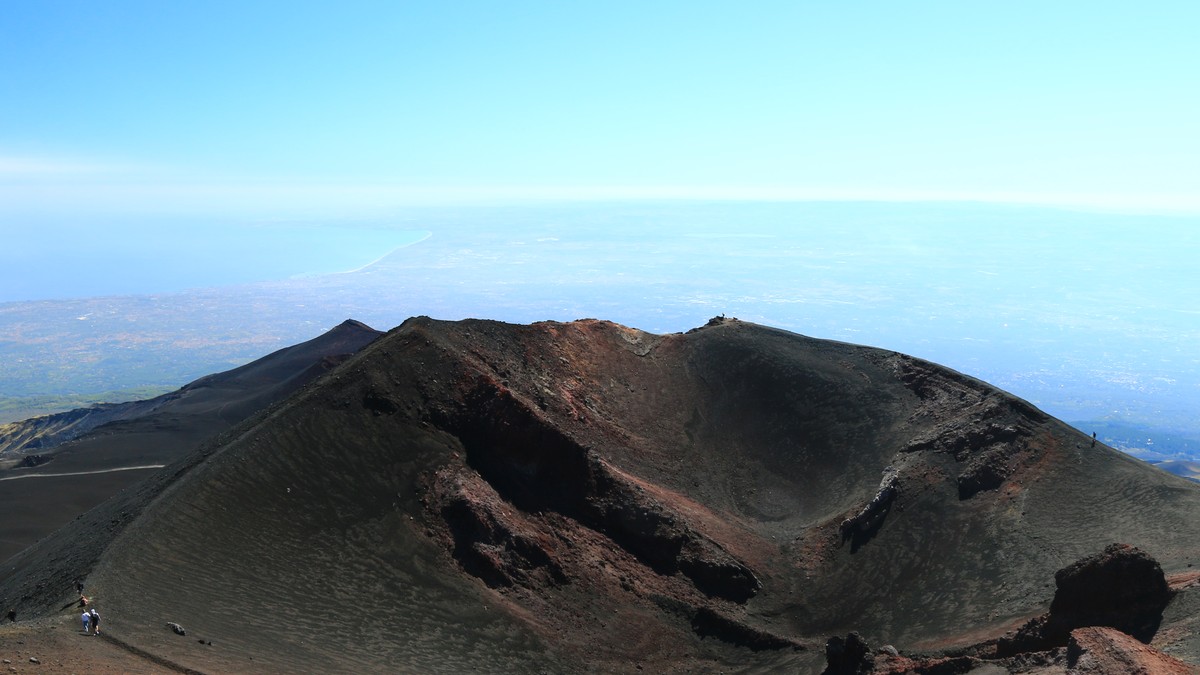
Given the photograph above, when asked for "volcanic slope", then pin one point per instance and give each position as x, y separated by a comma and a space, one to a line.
54, 468
1180, 467
588, 497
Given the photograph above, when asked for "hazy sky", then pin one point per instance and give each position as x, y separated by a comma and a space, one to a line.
274, 106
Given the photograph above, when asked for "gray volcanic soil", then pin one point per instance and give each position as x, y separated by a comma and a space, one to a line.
584, 496
103, 446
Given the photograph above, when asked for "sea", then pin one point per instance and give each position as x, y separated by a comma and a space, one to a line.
60, 260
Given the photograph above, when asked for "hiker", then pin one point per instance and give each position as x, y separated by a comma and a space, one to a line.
79, 587
95, 621
87, 619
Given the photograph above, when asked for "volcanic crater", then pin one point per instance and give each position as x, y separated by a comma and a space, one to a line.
584, 496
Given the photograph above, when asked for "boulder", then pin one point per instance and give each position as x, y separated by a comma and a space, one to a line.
1121, 587
850, 655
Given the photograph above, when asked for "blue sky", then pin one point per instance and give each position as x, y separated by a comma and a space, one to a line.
271, 107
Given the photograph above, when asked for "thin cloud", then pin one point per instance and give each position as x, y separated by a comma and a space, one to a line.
33, 185
16, 166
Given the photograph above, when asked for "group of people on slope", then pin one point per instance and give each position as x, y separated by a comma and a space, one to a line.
90, 617
91, 621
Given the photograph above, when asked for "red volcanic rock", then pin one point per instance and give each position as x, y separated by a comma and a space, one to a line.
500, 548
1106, 651
852, 655
536, 467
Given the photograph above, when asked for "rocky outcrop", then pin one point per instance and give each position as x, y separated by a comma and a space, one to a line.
988, 436
987, 445
1121, 587
489, 540
863, 525
1105, 611
537, 468
850, 655
1107, 651
987, 471
708, 622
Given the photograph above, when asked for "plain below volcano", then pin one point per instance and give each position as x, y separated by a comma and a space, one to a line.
85, 456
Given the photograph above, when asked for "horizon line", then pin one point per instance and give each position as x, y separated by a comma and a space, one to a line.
260, 198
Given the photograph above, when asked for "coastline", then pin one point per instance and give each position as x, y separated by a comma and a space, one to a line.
427, 235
